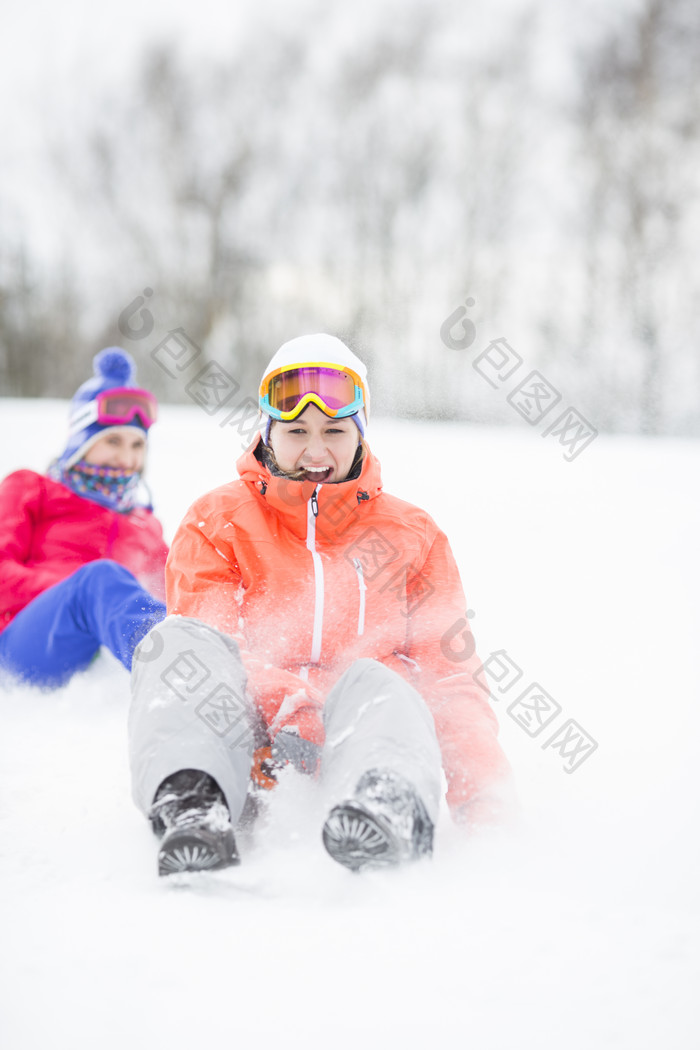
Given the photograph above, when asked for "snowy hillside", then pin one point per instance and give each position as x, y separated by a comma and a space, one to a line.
580, 930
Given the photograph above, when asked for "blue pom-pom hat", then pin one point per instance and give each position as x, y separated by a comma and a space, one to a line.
114, 369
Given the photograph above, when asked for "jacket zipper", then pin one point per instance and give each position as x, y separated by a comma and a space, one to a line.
318, 577
363, 587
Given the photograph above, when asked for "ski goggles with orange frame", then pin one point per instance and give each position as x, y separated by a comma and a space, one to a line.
339, 392
117, 407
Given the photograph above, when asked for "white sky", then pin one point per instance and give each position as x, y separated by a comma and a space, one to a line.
44, 45
54, 59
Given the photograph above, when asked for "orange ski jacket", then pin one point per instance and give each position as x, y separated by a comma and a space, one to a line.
308, 578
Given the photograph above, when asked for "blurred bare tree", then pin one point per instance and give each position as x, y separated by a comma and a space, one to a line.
40, 327
167, 178
366, 183
640, 136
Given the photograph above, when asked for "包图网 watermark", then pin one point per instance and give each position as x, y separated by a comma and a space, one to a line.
211, 386
222, 708
533, 397
533, 709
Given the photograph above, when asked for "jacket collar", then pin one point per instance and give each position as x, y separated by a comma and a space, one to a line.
291, 498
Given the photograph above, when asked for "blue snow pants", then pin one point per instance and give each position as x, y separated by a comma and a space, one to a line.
62, 629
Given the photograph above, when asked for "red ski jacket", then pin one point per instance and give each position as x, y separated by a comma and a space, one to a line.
47, 532
310, 578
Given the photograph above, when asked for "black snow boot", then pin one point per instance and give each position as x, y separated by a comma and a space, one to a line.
383, 824
190, 813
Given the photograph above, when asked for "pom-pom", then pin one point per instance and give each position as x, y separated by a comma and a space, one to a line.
116, 365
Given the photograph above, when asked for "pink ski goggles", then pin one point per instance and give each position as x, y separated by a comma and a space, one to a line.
285, 393
117, 407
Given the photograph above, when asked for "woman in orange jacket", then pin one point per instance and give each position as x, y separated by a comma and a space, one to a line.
309, 619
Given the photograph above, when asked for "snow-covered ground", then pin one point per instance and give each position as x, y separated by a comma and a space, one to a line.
579, 930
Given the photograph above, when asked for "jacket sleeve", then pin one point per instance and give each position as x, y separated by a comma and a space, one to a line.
152, 575
21, 498
441, 645
203, 581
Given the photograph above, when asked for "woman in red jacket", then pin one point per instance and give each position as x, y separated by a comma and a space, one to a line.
311, 615
81, 557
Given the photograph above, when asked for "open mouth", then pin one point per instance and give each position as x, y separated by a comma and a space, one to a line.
318, 475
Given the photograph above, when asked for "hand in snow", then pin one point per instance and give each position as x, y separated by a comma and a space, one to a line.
279, 694
290, 748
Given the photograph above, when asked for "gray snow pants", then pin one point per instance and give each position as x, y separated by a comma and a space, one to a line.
190, 710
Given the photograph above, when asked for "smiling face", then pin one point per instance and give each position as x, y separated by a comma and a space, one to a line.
122, 447
322, 447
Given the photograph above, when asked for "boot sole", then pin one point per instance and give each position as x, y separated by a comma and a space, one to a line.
357, 839
195, 849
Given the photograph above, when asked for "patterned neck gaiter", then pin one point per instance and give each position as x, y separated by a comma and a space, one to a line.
111, 487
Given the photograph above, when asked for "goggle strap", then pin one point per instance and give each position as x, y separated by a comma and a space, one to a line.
83, 417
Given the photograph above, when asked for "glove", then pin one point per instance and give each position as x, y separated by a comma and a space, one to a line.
263, 771
291, 748
288, 749
279, 694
